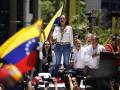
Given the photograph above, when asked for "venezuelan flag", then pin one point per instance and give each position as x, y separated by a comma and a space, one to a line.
20, 49
57, 21
47, 30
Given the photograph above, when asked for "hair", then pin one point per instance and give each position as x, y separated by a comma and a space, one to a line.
76, 34
78, 40
66, 23
88, 35
118, 37
95, 37
115, 38
49, 53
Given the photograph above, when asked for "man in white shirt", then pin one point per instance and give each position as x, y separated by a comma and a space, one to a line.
93, 51
94, 65
88, 39
78, 55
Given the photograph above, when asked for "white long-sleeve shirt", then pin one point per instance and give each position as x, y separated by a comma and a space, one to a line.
79, 58
67, 36
93, 62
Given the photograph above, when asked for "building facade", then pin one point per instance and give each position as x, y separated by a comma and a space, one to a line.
14, 14
106, 7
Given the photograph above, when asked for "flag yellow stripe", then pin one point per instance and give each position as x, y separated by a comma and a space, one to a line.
5, 45
21, 38
50, 24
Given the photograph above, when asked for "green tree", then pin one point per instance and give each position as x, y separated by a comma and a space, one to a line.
79, 22
47, 10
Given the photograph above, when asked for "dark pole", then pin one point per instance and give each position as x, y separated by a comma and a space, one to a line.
12, 16
90, 20
67, 8
90, 23
26, 12
35, 10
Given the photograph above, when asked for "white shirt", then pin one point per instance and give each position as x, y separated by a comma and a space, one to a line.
93, 62
79, 58
67, 36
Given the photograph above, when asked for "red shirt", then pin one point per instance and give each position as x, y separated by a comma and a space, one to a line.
109, 48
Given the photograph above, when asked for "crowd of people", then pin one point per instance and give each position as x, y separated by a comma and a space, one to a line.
66, 51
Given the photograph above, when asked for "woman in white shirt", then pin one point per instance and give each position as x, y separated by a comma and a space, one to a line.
47, 57
63, 37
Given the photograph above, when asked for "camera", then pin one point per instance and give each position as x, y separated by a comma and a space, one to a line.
71, 72
64, 75
49, 80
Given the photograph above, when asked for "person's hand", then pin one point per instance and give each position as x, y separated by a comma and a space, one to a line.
1, 86
54, 41
69, 77
55, 83
96, 54
71, 50
46, 86
71, 62
29, 85
44, 60
112, 85
55, 80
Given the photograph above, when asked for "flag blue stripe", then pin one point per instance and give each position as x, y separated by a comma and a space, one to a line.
21, 51
56, 22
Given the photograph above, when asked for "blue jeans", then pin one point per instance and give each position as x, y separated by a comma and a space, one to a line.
59, 50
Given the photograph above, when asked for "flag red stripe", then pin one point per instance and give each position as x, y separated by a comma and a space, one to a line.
27, 63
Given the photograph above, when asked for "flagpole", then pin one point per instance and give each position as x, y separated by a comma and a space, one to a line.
50, 24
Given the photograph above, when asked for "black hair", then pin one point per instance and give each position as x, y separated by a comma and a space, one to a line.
49, 59
114, 38
76, 34
118, 37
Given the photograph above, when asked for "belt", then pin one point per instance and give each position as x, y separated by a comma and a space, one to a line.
62, 43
